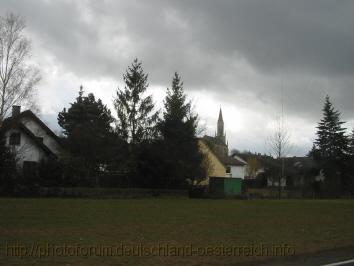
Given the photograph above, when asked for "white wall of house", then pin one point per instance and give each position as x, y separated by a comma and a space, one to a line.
238, 171
38, 131
28, 150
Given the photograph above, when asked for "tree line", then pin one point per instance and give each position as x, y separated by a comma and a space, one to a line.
142, 147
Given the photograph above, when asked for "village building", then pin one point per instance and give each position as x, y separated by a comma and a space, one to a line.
217, 161
31, 140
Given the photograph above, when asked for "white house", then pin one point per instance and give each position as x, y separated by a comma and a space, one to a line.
239, 170
29, 138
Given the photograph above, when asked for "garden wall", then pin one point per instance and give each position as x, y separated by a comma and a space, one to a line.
87, 192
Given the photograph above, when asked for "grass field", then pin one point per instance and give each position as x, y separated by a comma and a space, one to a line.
306, 225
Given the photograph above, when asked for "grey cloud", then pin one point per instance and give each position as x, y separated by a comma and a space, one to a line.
273, 35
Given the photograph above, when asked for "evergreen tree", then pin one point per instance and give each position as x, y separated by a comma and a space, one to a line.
136, 124
331, 142
351, 144
179, 123
349, 178
89, 135
86, 113
178, 130
331, 149
136, 116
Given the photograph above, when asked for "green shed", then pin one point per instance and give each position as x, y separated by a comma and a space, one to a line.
225, 186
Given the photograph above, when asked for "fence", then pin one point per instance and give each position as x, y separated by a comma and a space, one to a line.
87, 192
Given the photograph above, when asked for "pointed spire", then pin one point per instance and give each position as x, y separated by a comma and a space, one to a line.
220, 115
220, 128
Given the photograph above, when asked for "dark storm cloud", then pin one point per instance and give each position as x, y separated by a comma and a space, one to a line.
305, 47
273, 35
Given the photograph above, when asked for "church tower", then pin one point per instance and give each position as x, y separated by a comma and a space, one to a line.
220, 129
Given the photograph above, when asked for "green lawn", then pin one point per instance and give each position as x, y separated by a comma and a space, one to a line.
307, 225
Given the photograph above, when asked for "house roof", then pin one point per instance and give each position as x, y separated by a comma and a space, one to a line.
228, 160
223, 157
15, 122
215, 141
292, 164
36, 140
11, 121
30, 114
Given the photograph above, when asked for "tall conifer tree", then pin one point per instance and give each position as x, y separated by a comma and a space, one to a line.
331, 142
331, 149
178, 130
351, 144
87, 127
136, 116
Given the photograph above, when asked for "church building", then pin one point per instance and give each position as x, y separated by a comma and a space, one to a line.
217, 161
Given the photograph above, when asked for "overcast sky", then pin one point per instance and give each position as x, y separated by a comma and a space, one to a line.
238, 55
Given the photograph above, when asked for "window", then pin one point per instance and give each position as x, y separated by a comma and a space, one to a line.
15, 139
228, 169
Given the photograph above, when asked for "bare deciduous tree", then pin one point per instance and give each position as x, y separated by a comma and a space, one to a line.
17, 77
279, 141
252, 167
279, 146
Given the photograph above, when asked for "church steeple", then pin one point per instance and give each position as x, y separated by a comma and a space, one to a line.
220, 128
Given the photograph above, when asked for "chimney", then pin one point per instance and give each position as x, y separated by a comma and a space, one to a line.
16, 110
